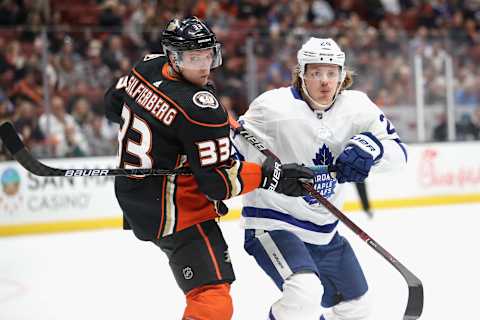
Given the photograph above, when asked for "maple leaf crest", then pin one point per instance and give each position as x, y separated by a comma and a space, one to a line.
323, 183
323, 156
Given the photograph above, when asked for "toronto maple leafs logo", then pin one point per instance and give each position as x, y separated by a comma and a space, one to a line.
323, 157
323, 183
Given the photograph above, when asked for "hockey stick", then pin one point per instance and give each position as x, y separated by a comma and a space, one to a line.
19, 152
415, 288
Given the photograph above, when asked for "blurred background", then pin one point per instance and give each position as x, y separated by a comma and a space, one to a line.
418, 60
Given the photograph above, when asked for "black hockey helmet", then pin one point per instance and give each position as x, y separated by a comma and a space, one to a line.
190, 34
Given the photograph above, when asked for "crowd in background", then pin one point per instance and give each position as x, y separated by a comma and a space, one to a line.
90, 43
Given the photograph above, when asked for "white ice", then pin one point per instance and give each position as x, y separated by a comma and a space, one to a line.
111, 275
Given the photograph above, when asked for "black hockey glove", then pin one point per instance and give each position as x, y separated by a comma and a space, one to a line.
285, 178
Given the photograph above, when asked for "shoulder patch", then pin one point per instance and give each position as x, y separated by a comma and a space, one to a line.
151, 56
205, 99
122, 83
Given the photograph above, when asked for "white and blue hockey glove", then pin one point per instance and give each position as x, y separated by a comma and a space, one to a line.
360, 154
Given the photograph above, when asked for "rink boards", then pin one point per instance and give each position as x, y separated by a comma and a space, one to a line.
437, 174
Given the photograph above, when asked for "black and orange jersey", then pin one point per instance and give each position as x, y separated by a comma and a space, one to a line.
167, 123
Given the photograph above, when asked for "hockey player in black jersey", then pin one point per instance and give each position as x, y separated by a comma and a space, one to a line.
170, 118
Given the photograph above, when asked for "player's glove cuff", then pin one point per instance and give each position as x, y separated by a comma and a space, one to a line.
286, 179
271, 173
368, 143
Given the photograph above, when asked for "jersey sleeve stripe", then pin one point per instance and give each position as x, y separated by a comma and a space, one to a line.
170, 206
162, 210
138, 75
234, 178
403, 148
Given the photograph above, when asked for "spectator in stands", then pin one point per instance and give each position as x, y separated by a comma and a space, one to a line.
67, 78
136, 23
466, 92
25, 122
13, 55
466, 128
112, 16
93, 72
6, 113
279, 72
29, 87
381, 44
68, 49
440, 130
62, 132
123, 67
81, 111
114, 53
476, 122
320, 12
12, 13
6, 107
99, 137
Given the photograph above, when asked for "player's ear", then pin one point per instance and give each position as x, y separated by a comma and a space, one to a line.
172, 61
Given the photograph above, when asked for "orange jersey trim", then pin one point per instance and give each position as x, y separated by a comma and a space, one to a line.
162, 212
166, 73
251, 176
176, 105
192, 205
210, 250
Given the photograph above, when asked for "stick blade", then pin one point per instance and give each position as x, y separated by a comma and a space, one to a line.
10, 138
415, 302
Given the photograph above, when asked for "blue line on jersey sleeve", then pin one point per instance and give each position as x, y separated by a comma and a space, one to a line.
403, 148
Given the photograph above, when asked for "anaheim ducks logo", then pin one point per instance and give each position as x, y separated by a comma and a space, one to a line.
205, 99
174, 24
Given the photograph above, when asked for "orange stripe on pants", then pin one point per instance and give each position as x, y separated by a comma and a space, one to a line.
210, 250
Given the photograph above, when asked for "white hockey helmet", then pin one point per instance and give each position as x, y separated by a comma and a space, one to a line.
318, 50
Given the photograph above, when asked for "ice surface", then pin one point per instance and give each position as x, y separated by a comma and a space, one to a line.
111, 275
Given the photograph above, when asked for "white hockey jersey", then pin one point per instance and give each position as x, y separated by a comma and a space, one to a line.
295, 133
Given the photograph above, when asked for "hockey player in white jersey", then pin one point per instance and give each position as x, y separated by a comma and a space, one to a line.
316, 121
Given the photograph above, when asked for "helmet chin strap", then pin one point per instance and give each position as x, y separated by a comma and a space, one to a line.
316, 105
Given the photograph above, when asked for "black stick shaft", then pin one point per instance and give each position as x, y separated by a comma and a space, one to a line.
19, 152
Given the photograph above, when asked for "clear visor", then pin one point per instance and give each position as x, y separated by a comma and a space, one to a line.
325, 73
199, 59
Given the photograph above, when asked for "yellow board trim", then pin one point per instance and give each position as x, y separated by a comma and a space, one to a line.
424, 201
60, 226
116, 222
